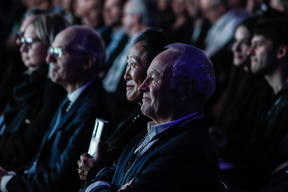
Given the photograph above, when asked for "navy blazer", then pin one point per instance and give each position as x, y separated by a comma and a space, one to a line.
182, 159
56, 168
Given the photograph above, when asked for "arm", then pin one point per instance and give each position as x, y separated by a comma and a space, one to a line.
59, 170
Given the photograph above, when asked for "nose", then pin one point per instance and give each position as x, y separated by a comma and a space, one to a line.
236, 47
144, 86
23, 47
127, 75
50, 58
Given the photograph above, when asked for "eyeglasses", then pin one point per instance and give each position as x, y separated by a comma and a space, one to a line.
56, 52
28, 41
18, 36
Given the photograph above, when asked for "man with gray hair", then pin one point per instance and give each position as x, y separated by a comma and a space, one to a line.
175, 153
74, 61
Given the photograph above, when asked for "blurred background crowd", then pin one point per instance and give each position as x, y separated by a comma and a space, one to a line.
240, 100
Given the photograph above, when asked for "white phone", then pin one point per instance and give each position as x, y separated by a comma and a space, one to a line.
99, 132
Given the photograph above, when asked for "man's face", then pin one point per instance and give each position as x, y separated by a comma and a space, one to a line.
158, 101
112, 12
127, 19
67, 68
92, 14
262, 55
210, 11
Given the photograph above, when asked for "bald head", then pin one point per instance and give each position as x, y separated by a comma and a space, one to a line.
85, 39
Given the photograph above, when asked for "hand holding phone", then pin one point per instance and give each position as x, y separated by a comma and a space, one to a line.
99, 133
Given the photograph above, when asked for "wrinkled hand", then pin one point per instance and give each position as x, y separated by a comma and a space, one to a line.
86, 162
127, 186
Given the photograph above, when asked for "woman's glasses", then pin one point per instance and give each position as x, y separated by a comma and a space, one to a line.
28, 41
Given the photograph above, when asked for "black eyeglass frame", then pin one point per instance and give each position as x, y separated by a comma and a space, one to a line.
28, 41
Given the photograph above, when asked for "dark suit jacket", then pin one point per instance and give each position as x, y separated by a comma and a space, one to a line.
57, 160
181, 160
36, 99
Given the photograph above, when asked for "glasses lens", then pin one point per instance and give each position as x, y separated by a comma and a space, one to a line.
28, 41
56, 52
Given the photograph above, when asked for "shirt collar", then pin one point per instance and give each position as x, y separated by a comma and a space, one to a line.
154, 129
75, 94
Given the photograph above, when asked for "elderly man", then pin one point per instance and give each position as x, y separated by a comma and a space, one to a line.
74, 59
175, 153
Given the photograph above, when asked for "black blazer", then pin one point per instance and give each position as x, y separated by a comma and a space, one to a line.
35, 99
57, 159
182, 159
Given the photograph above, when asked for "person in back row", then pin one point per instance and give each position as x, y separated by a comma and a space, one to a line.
74, 60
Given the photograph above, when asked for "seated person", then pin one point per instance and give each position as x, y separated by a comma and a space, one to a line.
145, 48
35, 99
175, 152
74, 58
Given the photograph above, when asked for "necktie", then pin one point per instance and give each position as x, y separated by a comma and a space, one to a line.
64, 107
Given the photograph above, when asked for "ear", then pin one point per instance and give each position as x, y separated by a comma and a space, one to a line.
282, 51
89, 62
187, 91
137, 18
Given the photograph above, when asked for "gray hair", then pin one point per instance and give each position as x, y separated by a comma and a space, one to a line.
192, 69
90, 41
146, 9
47, 26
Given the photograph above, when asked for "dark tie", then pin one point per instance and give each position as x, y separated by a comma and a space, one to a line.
64, 107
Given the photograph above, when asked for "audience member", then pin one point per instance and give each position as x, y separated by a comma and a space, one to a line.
145, 48
246, 101
200, 24
268, 56
35, 99
92, 13
113, 31
165, 16
138, 15
175, 154
217, 44
182, 26
14, 69
64, 7
74, 60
